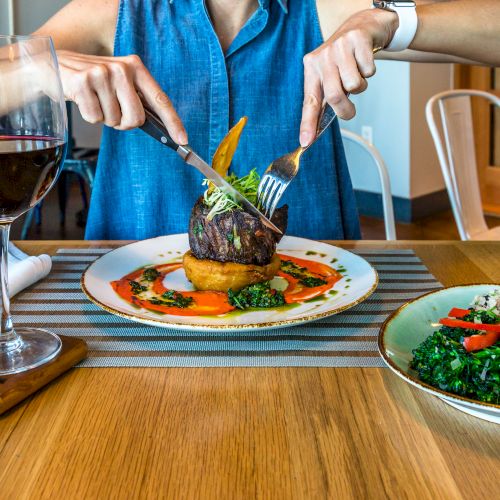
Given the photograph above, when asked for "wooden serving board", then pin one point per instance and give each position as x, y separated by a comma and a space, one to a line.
15, 388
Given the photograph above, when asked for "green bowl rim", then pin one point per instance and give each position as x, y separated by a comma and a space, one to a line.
410, 378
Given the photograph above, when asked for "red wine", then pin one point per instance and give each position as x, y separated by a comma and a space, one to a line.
28, 168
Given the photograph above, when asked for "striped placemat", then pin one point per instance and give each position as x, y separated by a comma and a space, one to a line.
348, 339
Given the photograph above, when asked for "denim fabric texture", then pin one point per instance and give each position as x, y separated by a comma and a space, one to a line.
143, 189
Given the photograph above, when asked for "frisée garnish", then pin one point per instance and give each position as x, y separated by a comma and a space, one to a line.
221, 202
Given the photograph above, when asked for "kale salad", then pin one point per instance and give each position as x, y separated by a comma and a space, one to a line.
463, 356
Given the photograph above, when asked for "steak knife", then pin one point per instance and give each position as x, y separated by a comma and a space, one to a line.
154, 127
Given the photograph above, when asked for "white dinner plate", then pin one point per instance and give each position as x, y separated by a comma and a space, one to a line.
359, 282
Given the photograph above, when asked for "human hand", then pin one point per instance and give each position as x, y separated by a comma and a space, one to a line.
111, 89
341, 65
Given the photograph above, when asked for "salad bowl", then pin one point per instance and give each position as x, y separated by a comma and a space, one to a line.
412, 323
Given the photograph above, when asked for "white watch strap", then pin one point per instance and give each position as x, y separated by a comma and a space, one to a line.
408, 24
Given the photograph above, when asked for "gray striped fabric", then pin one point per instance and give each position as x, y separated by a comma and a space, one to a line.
345, 340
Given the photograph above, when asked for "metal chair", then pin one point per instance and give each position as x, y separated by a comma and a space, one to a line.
390, 226
454, 141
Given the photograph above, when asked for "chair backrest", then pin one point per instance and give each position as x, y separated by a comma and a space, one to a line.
457, 155
378, 161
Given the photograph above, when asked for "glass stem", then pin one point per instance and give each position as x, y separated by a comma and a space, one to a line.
8, 337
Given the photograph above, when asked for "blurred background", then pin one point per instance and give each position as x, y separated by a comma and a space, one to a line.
390, 115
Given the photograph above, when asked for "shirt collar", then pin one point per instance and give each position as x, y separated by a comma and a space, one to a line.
283, 4
265, 3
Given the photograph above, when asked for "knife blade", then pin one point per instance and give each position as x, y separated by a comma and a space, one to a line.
194, 160
154, 127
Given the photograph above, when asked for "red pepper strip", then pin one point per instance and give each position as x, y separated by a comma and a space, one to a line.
458, 323
458, 313
478, 342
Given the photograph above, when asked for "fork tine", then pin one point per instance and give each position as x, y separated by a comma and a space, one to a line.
269, 184
276, 179
262, 184
270, 195
277, 198
260, 192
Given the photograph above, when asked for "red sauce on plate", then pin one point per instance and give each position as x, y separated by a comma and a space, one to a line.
296, 292
211, 303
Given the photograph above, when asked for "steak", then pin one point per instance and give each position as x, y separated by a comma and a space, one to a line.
234, 236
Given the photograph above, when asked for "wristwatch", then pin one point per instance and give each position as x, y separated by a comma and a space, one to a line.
408, 23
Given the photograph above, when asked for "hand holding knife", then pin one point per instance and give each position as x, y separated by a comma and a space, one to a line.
154, 127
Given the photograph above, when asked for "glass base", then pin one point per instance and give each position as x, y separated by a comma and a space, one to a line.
37, 347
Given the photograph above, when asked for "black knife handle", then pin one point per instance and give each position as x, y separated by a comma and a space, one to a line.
154, 127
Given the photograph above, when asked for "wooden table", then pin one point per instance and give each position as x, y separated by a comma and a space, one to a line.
253, 432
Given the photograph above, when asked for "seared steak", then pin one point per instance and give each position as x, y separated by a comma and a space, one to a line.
234, 236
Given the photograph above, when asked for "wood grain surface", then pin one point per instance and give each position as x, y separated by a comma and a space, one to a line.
253, 432
14, 388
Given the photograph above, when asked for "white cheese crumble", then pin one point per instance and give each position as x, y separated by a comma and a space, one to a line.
488, 302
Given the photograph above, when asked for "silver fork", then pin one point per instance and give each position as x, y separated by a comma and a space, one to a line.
281, 171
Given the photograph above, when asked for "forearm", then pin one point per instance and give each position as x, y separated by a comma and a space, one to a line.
83, 26
419, 56
467, 29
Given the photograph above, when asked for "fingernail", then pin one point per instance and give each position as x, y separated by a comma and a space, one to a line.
305, 138
182, 138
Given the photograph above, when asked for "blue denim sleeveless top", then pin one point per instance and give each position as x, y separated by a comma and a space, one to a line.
143, 189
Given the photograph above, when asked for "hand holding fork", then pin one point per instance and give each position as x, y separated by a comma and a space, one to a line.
281, 171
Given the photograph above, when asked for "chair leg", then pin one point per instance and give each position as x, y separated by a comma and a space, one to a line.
38, 214
83, 192
85, 171
27, 224
86, 178
89, 174
62, 190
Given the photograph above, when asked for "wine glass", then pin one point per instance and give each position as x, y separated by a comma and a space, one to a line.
33, 136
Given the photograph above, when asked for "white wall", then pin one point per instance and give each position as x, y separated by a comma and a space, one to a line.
29, 16
4, 17
426, 81
385, 107
394, 106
